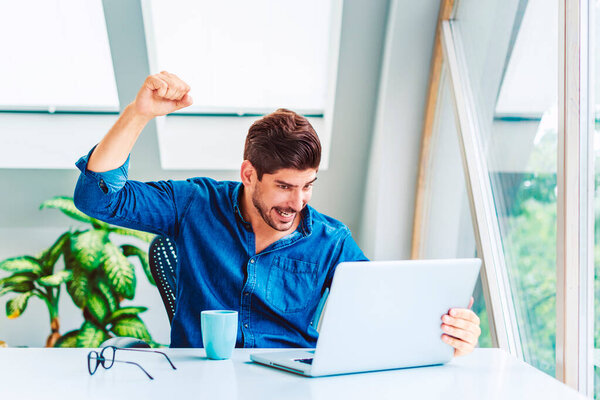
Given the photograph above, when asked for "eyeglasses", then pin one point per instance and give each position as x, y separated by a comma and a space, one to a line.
106, 358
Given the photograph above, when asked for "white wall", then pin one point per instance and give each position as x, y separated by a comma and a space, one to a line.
393, 166
447, 226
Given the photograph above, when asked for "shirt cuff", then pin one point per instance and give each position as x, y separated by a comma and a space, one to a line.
109, 181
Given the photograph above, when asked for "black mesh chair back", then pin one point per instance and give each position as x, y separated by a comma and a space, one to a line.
163, 265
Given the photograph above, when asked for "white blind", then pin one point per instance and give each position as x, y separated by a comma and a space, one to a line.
55, 54
244, 56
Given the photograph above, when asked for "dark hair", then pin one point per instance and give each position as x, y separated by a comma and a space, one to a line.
282, 139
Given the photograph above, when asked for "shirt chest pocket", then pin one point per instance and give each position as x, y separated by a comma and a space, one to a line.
291, 284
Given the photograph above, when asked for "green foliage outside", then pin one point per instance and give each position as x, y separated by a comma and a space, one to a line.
528, 226
529, 239
97, 275
530, 246
485, 339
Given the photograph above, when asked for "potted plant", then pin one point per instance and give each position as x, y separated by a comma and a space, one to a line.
97, 275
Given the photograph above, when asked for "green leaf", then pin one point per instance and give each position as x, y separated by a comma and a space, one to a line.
4, 290
131, 326
69, 339
88, 248
21, 264
57, 279
119, 271
129, 251
78, 288
145, 236
65, 204
16, 306
17, 278
126, 311
109, 295
90, 335
71, 262
52, 254
19, 283
97, 306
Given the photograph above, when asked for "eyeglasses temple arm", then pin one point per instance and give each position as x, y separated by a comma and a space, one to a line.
134, 363
150, 351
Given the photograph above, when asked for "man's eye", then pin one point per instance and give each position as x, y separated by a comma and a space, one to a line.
283, 187
308, 186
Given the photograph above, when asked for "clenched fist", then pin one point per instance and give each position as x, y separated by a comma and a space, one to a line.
162, 94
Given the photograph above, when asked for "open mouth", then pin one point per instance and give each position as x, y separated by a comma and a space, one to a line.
285, 215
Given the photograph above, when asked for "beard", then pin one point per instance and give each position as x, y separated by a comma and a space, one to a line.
267, 212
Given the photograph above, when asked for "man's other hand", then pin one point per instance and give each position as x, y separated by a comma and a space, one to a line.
162, 94
461, 329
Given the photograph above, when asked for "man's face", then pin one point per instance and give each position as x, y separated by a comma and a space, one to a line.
279, 197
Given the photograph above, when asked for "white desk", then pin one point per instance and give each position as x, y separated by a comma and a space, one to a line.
62, 373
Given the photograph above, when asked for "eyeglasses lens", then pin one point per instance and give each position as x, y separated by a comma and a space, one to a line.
92, 362
108, 356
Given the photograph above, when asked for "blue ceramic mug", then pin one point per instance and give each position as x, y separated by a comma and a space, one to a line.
219, 332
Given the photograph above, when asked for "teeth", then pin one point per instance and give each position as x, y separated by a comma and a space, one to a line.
284, 213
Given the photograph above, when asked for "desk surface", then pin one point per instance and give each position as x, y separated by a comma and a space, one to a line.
62, 373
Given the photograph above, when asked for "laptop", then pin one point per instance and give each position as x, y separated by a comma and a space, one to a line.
383, 315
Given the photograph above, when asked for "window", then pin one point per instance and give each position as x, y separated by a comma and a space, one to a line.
55, 56
512, 70
55, 59
527, 145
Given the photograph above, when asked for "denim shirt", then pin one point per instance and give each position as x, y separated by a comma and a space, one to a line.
276, 292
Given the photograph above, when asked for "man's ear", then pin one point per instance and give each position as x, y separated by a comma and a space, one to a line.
247, 173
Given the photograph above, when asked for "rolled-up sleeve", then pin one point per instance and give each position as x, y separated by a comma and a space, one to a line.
111, 197
109, 181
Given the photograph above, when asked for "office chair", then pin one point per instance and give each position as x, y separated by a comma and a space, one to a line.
163, 263
162, 257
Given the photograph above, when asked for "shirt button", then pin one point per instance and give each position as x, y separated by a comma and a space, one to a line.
103, 186
245, 325
246, 293
252, 261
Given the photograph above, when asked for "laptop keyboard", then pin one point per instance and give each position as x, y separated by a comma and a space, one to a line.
304, 360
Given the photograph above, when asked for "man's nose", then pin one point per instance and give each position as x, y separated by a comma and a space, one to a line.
297, 200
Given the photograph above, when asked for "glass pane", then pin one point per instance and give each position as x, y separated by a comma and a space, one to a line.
265, 55
448, 228
56, 55
510, 48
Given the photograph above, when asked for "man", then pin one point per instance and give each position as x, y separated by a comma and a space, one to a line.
255, 246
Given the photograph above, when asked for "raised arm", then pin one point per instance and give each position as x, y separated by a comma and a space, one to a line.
160, 94
103, 190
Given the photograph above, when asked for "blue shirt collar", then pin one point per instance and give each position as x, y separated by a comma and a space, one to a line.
305, 226
235, 202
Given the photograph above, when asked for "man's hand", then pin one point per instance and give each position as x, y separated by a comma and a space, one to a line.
162, 94
461, 329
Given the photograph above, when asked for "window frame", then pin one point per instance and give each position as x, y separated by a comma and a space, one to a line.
575, 180
504, 328
575, 186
